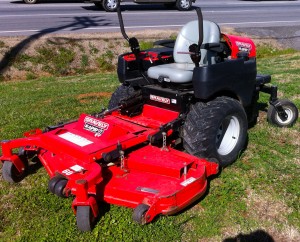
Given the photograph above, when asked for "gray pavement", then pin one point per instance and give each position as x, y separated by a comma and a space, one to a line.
279, 19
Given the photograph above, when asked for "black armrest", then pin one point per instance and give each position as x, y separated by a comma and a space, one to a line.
217, 47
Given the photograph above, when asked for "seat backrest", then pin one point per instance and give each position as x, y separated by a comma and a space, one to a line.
189, 34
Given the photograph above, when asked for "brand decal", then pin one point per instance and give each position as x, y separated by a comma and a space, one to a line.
160, 99
243, 46
95, 126
75, 139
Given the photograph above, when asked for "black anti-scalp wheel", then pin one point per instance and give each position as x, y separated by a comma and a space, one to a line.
57, 185
85, 218
52, 183
139, 214
59, 188
11, 174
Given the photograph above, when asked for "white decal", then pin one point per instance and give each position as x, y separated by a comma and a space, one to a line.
188, 181
67, 172
96, 122
160, 99
72, 170
75, 139
95, 126
77, 168
243, 46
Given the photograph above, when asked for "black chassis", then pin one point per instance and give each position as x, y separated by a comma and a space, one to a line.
236, 78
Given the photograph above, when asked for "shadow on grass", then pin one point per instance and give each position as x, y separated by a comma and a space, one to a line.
258, 235
76, 24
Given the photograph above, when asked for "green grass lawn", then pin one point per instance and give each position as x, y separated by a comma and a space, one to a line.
259, 192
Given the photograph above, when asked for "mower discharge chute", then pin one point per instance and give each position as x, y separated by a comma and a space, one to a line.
196, 94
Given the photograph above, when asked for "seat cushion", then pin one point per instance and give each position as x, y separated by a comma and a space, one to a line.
173, 72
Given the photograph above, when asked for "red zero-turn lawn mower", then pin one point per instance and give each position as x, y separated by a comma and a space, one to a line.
195, 94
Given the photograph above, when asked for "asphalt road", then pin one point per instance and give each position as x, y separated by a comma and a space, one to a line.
274, 18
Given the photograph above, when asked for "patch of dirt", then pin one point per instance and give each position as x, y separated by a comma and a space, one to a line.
84, 98
271, 213
266, 207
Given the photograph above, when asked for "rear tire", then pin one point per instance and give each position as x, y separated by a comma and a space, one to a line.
217, 129
289, 108
122, 93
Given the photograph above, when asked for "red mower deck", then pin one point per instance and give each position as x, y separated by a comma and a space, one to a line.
153, 180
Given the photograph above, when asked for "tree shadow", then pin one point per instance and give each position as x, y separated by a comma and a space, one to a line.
76, 24
256, 236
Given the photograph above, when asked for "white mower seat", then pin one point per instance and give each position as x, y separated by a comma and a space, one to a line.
181, 71
173, 72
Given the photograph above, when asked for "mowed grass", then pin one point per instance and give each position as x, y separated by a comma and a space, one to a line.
256, 196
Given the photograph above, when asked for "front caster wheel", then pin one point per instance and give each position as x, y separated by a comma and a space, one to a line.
11, 174
139, 214
85, 218
287, 118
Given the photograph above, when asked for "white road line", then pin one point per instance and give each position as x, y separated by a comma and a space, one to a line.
267, 22
129, 13
143, 27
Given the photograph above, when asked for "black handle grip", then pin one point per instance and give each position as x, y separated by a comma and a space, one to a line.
122, 23
200, 27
